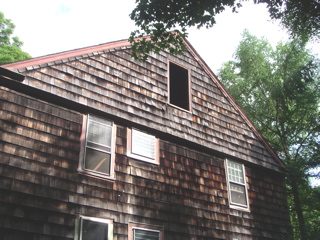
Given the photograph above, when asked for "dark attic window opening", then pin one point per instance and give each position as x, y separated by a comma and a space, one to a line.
179, 86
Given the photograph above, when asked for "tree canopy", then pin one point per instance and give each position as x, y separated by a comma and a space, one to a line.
10, 47
160, 19
279, 91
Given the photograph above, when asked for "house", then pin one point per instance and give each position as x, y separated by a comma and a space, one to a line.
96, 145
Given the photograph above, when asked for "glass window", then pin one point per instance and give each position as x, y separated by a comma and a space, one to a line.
144, 232
94, 229
98, 145
237, 184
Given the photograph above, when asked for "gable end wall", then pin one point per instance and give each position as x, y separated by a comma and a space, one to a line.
42, 193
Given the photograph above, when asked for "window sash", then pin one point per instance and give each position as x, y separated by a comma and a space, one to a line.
99, 133
138, 231
95, 229
98, 146
235, 172
238, 194
145, 234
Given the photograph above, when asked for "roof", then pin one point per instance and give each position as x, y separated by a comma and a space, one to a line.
106, 78
87, 51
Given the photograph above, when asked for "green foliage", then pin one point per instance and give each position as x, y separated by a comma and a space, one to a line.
11, 53
10, 50
311, 210
160, 19
279, 91
300, 17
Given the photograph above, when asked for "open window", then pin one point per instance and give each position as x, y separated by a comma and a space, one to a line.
145, 232
238, 196
98, 146
142, 146
179, 93
91, 228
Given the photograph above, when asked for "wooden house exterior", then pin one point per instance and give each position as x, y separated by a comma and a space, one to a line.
96, 145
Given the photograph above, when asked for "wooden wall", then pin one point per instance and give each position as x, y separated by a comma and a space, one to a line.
112, 82
41, 192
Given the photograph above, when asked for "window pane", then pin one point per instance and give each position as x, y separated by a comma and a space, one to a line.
97, 161
238, 194
100, 147
99, 133
143, 144
94, 230
140, 234
235, 171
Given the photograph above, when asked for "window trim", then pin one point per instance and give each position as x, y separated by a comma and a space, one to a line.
235, 205
78, 226
147, 227
83, 147
189, 86
141, 157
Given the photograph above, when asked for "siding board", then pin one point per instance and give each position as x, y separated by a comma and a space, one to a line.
41, 192
147, 99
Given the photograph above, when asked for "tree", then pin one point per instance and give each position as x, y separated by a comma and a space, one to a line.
301, 18
160, 19
10, 47
279, 91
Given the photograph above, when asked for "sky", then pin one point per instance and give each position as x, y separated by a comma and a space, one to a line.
48, 27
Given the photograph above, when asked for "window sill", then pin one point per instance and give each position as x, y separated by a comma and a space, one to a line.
143, 159
239, 208
179, 108
110, 178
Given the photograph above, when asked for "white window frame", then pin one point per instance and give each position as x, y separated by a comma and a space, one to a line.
232, 204
138, 156
79, 222
144, 227
84, 140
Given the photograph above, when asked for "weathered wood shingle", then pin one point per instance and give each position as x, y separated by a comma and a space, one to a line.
111, 81
41, 192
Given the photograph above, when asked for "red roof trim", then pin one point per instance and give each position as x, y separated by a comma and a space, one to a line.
65, 55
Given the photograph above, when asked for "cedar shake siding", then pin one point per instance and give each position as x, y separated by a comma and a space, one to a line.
45, 192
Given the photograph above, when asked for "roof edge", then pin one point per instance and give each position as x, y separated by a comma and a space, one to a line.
65, 55
235, 105
11, 75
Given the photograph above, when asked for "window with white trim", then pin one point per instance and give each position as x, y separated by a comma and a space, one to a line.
145, 232
142, 146
98, 147
237, 184
91, 228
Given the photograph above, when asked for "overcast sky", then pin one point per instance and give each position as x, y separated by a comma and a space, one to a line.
48, 27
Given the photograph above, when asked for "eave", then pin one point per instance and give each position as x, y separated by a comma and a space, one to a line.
20, 66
